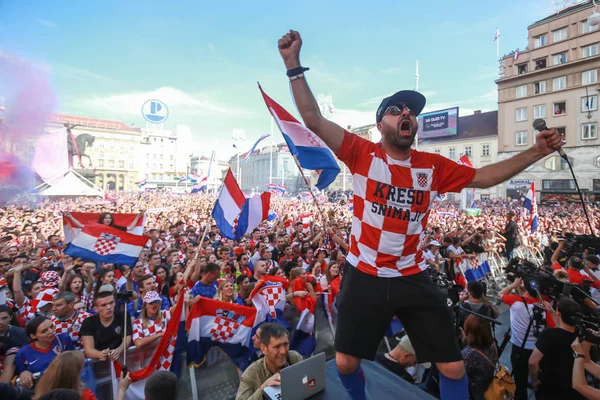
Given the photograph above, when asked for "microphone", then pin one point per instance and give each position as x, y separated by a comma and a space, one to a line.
540, 125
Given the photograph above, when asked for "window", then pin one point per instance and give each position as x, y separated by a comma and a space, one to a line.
170, 167
522, 114
161, 156
591, 50
539, 111
535, 133
121, 164
589, 131
539, 87
540, 64
589, 103
555, 163
521, 91
437, 151
485, 150
111, 163
559, 58
558, 184
101, 163
586, 27
452, 153
101, 154
521, 138
589, 77
559, 35
171, 157
521, 69
154, 156
468, 150
131, 166
560, 108
160, 167
539, 41
559, 83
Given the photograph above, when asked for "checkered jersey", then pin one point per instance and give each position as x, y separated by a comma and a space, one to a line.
71, 326
392, 201
140, 332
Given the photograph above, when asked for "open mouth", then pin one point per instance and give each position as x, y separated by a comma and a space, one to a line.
406, 127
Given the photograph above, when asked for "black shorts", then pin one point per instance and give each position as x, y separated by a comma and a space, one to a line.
366, 305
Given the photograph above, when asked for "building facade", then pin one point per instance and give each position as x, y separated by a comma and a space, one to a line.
253, 175
200, 164
114, 154
555, 78
477, 137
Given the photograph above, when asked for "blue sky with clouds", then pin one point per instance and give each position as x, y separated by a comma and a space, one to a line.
203, 59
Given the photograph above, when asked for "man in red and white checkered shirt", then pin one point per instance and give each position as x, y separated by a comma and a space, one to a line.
394, 188
66, 319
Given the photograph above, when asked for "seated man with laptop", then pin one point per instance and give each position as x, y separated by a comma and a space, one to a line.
265, 374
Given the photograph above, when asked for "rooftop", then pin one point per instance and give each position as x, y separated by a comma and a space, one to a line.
582, 5
471, 127
92, 122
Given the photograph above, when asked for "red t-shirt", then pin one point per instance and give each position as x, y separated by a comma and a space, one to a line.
511, 299
575, 276
392, 201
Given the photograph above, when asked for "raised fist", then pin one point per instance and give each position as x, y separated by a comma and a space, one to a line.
289, 48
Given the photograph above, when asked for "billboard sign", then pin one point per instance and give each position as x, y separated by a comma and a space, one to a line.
155, 111
438, 124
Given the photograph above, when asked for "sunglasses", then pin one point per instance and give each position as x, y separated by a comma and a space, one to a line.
398, 110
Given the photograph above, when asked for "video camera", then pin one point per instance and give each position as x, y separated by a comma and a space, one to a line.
587, 327
576, 244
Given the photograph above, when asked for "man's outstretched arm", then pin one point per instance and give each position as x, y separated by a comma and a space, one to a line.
547, 142
331, 133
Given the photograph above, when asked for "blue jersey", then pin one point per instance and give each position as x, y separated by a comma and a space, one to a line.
33, 359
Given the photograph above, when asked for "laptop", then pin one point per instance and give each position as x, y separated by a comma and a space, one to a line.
300, 381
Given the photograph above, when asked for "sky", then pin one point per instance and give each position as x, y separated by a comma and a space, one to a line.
203, 59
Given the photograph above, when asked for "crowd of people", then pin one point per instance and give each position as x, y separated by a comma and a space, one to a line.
56, 311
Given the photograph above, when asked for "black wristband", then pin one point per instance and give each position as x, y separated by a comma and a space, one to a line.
296, 71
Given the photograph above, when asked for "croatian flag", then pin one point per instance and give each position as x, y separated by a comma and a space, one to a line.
464, 160
531, 205
70, 231
517, 54
260, 139
102, 243
236, 215
201, 185
217, 323
268, 298
475, 268
182, 179
303, 340
143, 182
497, 35
307, 147
160, 360
276, 190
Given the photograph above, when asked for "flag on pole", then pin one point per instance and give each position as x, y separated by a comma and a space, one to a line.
234, 214
260, 139
217, 323
143, 182
103, 243
530, 203
310, 151
517, 54
497, 35
475, 268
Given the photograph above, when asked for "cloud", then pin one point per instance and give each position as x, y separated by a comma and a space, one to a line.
71, 71
485, 102
354, 118
46, 23
185, 103
211, 49
391, 70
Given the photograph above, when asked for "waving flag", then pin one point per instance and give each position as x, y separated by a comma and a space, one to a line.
276, 190
464, 160
530, 204
303, 340
268, 298
475, 268
234, 214
200, 185
160, 360
497, 35
102, 243
217, 323
70, 231
143, 182
260, 139
308, 148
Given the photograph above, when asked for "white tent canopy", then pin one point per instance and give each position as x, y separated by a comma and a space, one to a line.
68, 184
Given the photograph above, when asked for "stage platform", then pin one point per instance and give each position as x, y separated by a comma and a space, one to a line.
381, 385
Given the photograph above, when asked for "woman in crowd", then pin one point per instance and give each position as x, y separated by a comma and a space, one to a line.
44, 347
480, 355
107, 219
64, 372
162, 279
105, 277
327, 279
226, 292
276, 271
151, 324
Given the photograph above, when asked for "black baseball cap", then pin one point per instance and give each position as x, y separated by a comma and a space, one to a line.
414, 100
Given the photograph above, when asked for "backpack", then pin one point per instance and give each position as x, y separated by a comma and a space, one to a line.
502, 386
